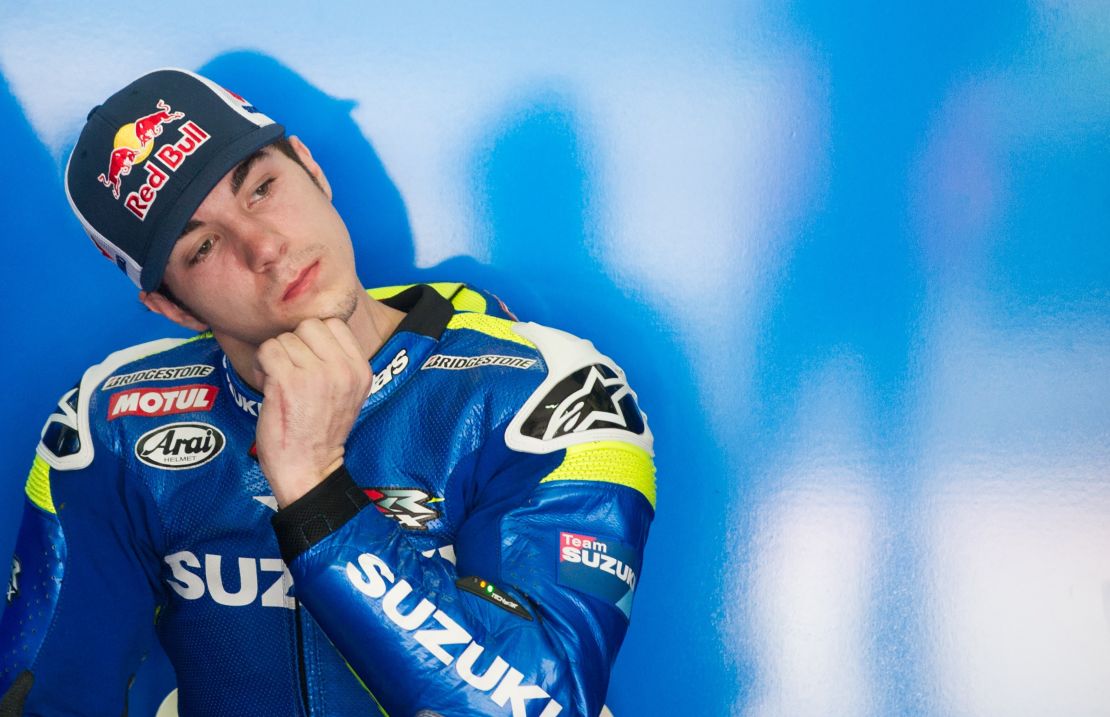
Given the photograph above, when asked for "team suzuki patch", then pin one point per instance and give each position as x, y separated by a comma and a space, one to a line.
600, 566
591, 398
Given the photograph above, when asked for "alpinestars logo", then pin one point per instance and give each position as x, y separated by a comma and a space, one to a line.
408, 506
13, 581
590, 398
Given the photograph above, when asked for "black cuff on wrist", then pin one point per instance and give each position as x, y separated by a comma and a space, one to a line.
318, 513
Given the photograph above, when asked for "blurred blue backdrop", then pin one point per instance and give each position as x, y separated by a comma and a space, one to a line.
854, 257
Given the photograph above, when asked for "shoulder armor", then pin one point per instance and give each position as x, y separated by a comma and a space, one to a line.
66, 440
585, 397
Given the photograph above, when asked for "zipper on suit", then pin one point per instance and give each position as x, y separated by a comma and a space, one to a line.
300, 657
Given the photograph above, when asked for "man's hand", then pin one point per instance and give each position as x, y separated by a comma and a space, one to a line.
314, 381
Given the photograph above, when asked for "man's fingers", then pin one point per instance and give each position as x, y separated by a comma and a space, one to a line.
346, 338
321, 341
272, 359
300, 355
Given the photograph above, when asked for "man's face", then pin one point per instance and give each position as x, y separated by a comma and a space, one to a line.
264, 251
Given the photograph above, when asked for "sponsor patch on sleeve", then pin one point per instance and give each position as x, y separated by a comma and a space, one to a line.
600, 566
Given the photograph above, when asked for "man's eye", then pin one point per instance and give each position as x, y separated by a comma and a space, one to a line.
263, 189
202, 251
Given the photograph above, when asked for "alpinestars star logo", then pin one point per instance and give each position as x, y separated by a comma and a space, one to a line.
13, 581
590, 398
408, 506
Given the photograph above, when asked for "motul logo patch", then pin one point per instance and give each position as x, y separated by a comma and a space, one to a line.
162, 401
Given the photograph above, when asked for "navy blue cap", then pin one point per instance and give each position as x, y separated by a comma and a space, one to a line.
148, 157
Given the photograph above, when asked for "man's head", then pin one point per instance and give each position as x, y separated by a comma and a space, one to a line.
148, 156
189, 189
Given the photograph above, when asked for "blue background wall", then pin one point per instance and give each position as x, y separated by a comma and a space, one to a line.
855, 258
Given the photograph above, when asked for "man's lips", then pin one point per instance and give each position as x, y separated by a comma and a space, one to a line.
301, 282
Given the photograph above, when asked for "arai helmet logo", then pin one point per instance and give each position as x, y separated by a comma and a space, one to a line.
180, 445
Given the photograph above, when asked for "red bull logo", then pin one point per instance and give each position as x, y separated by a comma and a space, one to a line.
118, 166
134, 144
149, 127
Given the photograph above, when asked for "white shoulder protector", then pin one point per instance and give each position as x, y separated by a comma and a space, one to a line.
77, 420
585, 397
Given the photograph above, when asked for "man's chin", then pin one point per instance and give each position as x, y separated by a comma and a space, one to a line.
341, 307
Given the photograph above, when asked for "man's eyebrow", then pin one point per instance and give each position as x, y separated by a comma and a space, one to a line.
190, 226
240, 174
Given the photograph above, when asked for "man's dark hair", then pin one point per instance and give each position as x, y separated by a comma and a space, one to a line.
283, 145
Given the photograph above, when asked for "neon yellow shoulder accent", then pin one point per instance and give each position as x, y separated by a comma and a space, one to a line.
446, 289
489, 325
608, 462
462, 298
469, 300
38, 486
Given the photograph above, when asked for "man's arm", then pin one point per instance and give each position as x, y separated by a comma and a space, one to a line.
548, 558
530, 622
79, 610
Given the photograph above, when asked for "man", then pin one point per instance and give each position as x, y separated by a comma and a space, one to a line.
330, 498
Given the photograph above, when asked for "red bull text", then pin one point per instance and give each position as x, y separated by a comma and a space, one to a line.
172, 156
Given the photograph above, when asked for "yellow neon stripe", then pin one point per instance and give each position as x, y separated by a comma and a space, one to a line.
489, 325
446, 289
608, 462
469, 300
462, 298
38, 486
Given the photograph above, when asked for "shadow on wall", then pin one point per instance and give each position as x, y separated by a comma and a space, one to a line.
535, 178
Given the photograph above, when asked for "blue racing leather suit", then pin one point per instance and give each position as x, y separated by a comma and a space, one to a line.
476, 555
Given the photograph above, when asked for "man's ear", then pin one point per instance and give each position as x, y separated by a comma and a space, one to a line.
159, 304
310, 164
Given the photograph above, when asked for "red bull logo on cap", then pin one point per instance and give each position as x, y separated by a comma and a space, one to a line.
134, 143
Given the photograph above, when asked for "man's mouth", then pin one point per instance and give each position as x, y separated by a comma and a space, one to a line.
302, 282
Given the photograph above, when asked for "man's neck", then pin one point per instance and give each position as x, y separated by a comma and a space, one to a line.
371, 323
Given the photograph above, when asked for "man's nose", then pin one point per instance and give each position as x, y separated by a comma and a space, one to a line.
262, 246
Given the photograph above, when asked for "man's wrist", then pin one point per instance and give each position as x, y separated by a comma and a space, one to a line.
321, 511
294, 482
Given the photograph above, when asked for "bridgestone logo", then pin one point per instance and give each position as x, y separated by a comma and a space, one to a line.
459, 363
172, 373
